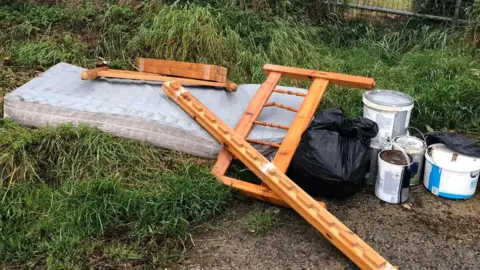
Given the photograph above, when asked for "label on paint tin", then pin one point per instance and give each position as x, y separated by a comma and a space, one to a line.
389, 186
409, 114
450, 184
384, 120
415, 178
393, 179
474, 183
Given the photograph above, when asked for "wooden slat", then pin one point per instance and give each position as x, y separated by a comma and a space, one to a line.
333, 78
186, 73
333, 229
266, 124
182, 69
274, 104
300, 94
245, 124
91, 74
276, 145
299, 124
180, 65
133, 75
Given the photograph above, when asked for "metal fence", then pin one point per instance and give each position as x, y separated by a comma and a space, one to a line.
454, 11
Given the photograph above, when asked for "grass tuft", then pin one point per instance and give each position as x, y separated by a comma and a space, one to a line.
263, 220
65, 190
48, 53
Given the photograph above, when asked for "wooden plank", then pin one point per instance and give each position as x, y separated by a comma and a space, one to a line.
182, 69
143, 62
300, 123
245, 124
333, 229
333, 78
91, 74
133, 75
258, 192
185, 73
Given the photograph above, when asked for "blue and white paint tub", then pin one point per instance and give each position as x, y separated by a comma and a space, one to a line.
449, 174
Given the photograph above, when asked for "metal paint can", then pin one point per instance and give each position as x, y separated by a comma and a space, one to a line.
449, 174
373, 155
393, 177
391, 111
372, 172
416, 148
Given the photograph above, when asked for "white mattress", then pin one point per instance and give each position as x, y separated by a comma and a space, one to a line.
140, 110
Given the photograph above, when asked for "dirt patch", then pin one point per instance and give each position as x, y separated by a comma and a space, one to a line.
431, 233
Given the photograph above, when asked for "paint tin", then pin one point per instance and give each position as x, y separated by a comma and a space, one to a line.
449, 174
373, 155
391, 111
372, 172
393, 177
416, 148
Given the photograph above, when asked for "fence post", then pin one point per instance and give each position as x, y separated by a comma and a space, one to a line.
458, 4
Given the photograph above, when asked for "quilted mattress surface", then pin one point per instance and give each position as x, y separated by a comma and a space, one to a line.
140, 110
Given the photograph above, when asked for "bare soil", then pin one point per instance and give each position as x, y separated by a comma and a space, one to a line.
429, 233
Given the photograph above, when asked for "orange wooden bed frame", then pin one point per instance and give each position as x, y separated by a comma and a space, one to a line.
283, 190
182, 69
305, 113
166, 70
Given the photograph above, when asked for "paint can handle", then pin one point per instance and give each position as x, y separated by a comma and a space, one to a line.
421, 133
407, 158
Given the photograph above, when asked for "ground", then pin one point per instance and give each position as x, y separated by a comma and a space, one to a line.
429, 233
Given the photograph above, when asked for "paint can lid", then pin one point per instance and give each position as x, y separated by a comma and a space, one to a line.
410, 143
388, 98
446, 158
395, 157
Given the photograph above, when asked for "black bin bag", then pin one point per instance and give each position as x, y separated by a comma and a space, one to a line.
332, 158
454, 141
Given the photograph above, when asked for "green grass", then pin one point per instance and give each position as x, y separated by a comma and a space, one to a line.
67, 193
121, 252
44, 53
393, 4
75, 198
262, 220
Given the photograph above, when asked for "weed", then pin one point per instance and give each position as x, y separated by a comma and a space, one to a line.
63, 187
184, 33
48, 53
121, 252
262, 220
